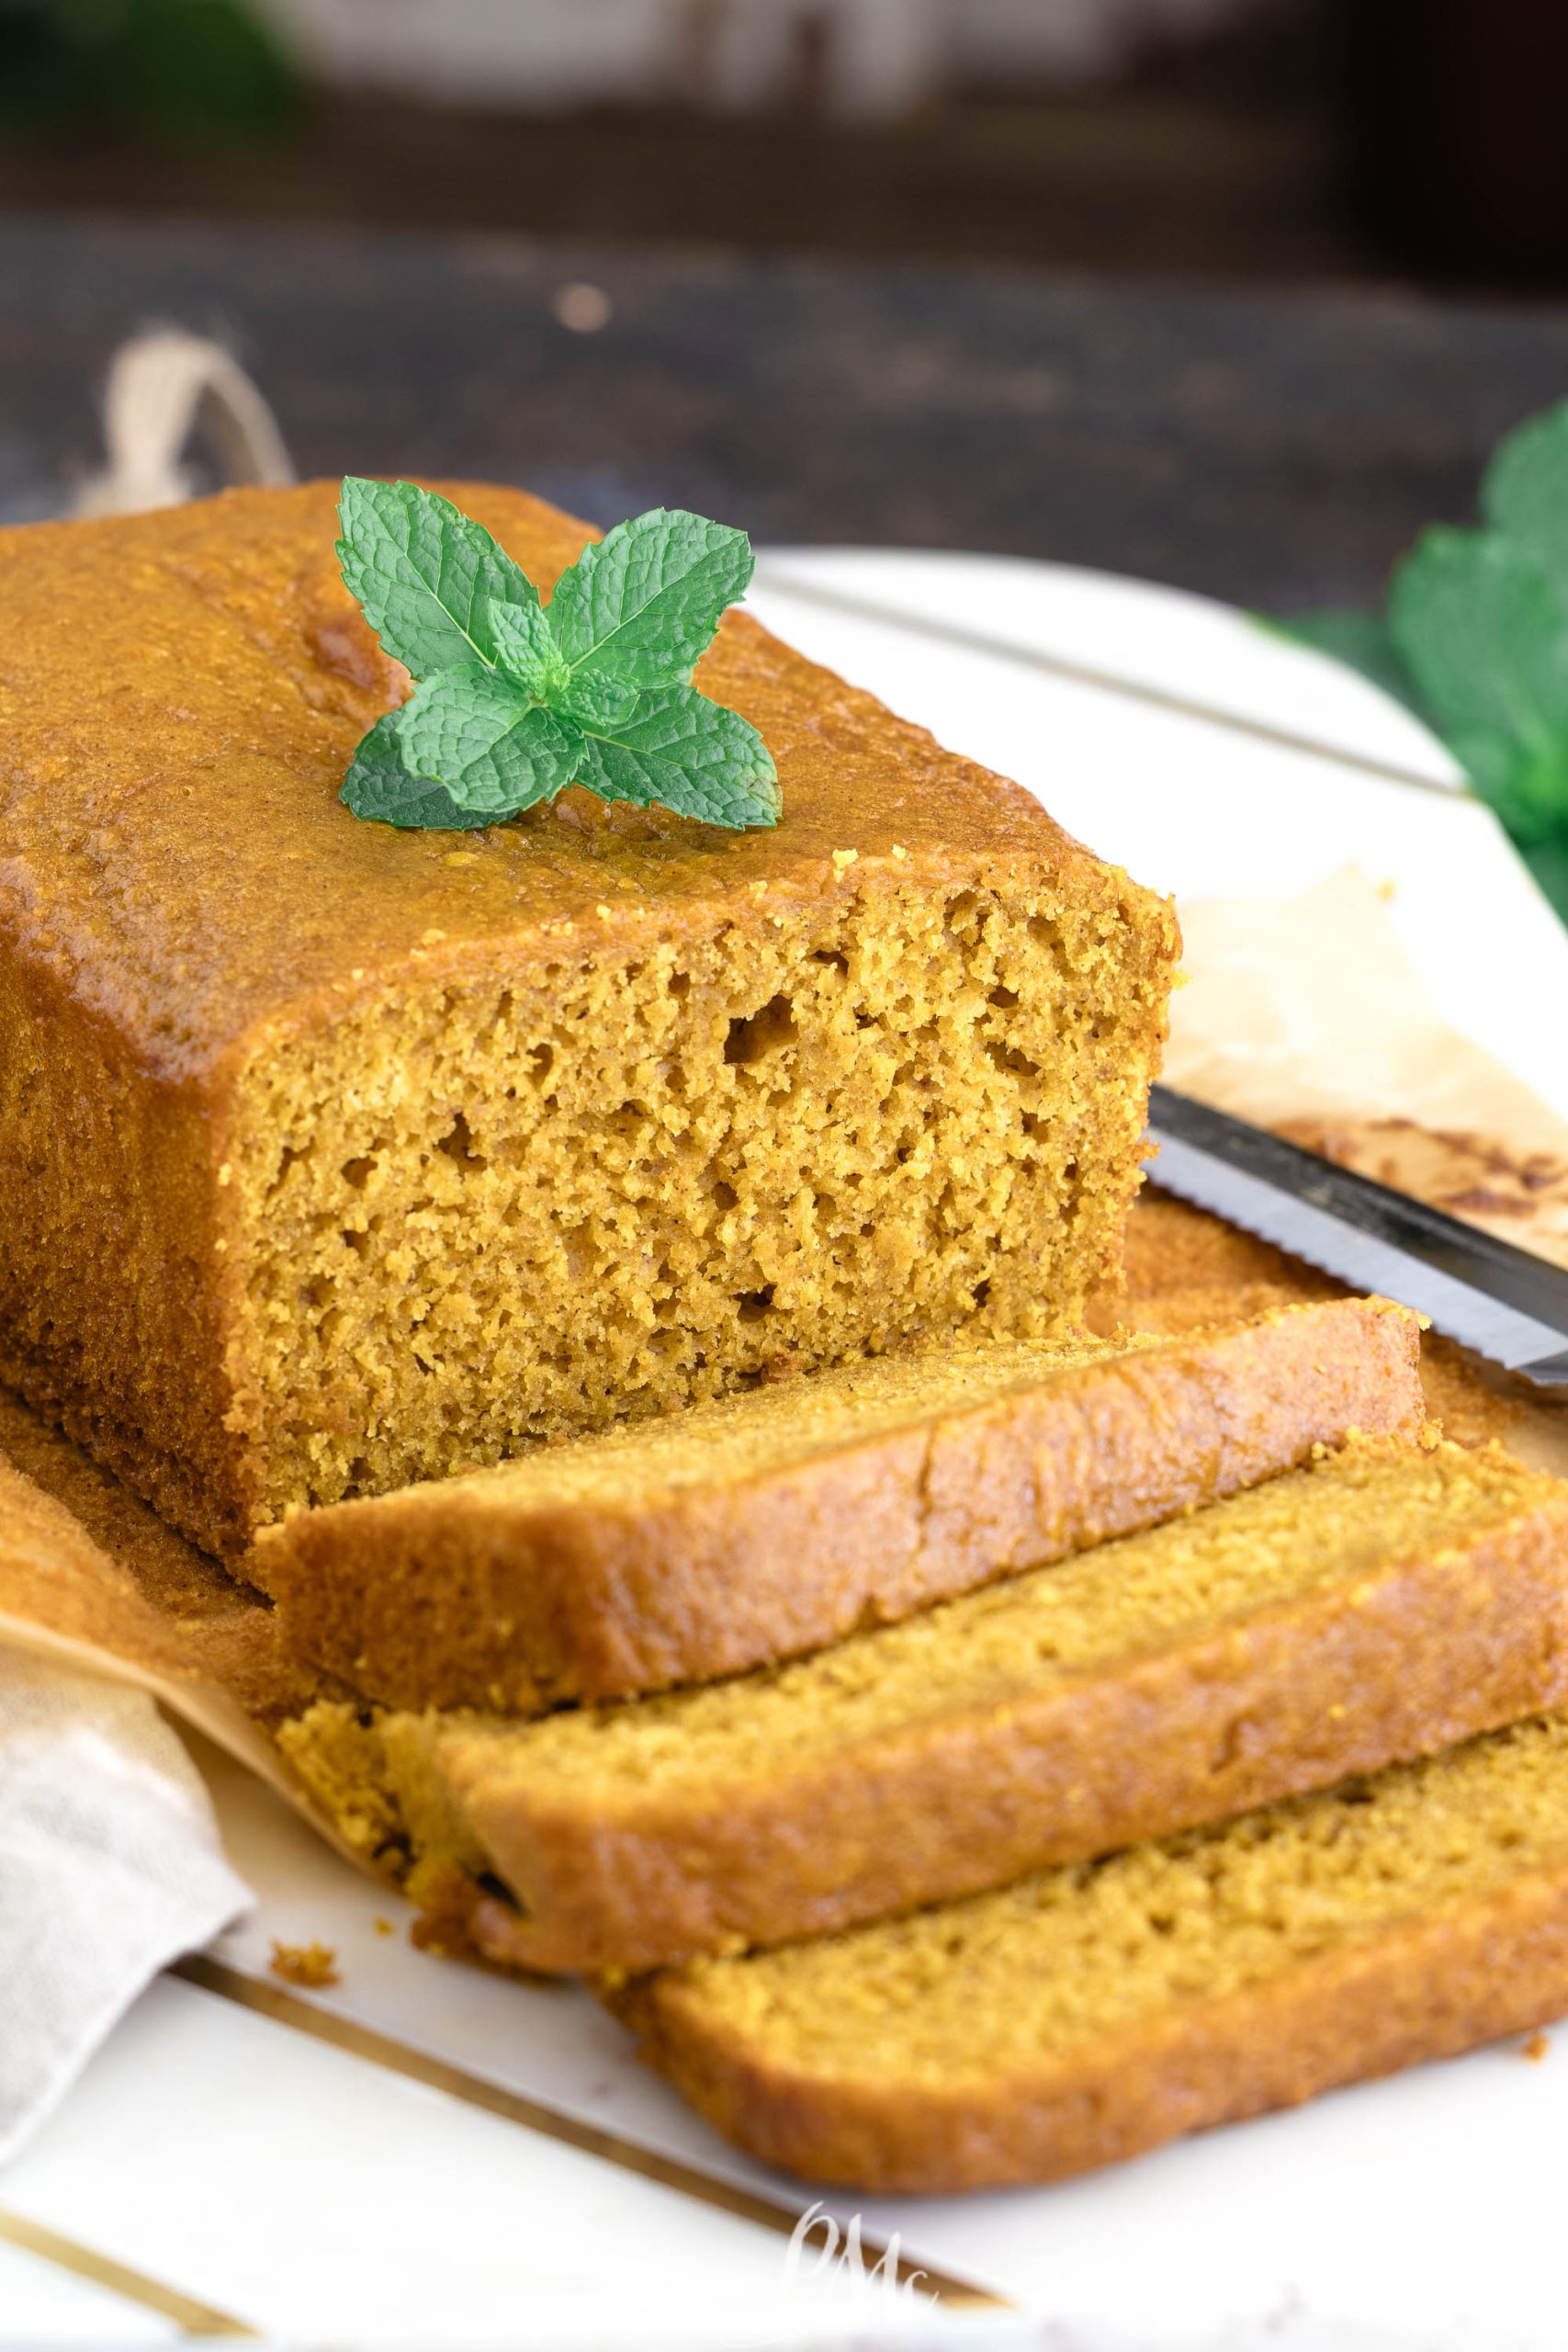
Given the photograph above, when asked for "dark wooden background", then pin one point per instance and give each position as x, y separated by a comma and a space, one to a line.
1277, 448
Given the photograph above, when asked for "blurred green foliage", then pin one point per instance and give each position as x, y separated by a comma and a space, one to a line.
204, 70
1474, 640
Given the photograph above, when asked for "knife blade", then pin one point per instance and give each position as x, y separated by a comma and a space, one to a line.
1504, 1302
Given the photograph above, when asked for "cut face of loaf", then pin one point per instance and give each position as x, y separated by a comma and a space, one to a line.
626, 1180
1379, 1604
1087, 2014
335, 1157
765, 1524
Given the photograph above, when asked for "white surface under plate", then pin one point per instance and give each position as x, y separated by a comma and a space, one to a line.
455, 2158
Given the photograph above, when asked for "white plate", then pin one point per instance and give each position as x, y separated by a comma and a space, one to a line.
311, 2190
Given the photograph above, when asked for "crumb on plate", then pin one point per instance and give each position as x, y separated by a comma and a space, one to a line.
311, 1966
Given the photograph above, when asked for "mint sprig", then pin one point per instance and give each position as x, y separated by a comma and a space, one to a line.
517, 699
1475, 641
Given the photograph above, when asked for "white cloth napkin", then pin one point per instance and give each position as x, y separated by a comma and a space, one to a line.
110, 1867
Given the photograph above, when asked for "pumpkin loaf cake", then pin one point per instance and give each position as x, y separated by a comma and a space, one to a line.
1380, 1603
760, 1525
1088, 2013
336, 1157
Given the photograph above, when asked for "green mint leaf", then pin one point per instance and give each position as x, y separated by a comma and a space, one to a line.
1485, 635
1363, 641
1523, 494
380, 787
642, 605
1477, 643
426, 576
477, 733
688, 754
526, 652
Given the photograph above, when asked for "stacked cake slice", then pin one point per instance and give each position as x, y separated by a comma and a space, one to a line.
1381, 1603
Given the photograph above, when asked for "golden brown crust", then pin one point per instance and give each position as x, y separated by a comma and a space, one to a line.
447, 1597
113, 1293
1417, 1990
1343, 1679
1170, 1250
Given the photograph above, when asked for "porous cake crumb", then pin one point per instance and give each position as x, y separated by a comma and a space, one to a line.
311, 1966
756, 1526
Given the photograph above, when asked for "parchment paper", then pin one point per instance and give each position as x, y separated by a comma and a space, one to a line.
1305, 1013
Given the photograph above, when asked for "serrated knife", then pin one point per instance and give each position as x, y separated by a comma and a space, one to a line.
1503, 1301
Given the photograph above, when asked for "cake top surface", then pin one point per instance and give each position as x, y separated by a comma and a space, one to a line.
181, 693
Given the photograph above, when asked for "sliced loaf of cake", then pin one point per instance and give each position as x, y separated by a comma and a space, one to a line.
1379, 1604
776, 1522
1081, 2014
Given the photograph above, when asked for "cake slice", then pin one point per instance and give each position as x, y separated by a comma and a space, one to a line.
764, 1525
1089, 2013
1379, 1604
335, 1157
